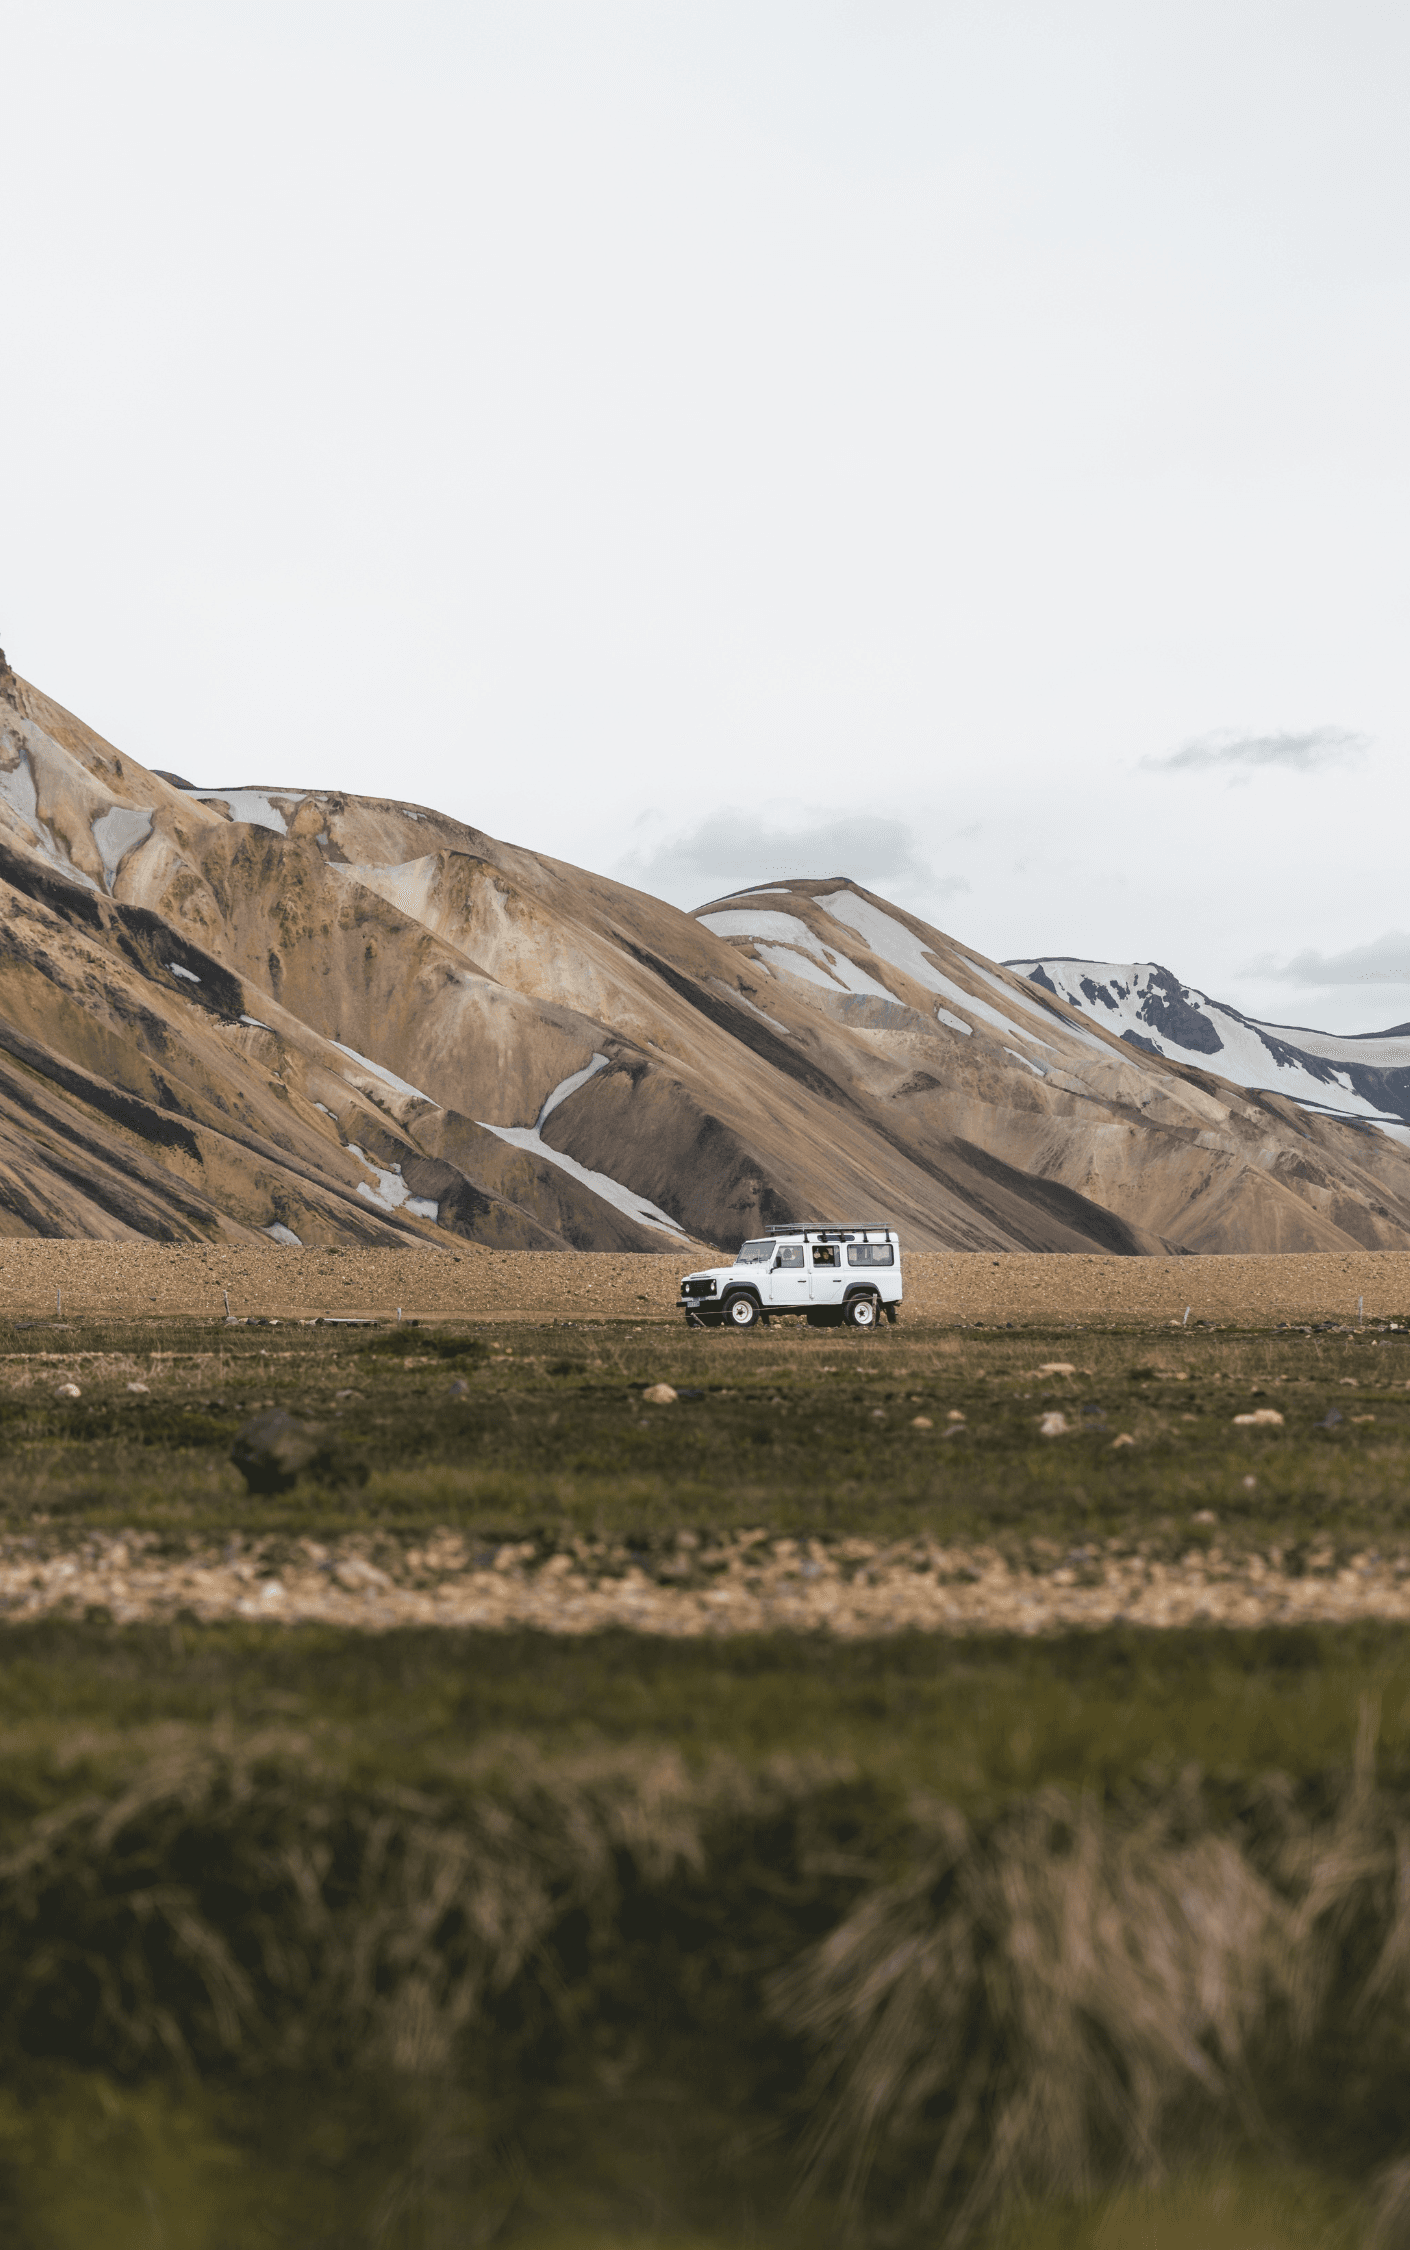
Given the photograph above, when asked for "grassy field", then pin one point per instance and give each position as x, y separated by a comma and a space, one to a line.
544, 1433
421, 1938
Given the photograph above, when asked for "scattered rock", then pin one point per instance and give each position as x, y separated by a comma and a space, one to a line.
1124, 1439
1053, 1425
359, 1576
954, 1415
740, 1586
1204, 1515
461, 1389
1057, 1367
68, 1390
921, 1422
660, 1394
1330, 1419
1264, 1417
271, 1450
139, 1387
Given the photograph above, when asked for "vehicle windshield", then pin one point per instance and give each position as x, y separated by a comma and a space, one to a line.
755, 1254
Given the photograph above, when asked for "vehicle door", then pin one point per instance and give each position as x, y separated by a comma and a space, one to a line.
788, 1278
878, 1263
827, 1276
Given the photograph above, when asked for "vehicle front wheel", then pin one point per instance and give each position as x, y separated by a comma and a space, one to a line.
861, 1312
742, 1312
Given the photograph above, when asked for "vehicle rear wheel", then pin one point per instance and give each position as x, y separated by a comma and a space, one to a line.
742, 1312
861, 1312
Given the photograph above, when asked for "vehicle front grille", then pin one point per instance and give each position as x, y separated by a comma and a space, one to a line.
697, 1288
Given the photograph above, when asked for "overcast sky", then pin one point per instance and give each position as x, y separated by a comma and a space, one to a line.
960, 446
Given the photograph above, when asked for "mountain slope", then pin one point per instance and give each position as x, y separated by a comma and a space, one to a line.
1365, 1075
324, 1017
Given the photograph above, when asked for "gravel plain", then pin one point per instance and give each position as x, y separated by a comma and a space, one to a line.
136, 1280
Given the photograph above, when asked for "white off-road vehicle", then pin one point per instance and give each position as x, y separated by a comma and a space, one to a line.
831, 1275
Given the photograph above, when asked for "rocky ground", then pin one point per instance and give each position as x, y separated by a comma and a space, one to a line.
553, 1449
853, 1588
140, 1280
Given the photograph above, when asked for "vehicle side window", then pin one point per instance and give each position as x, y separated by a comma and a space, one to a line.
824, 1254
871, 1254
790, 1255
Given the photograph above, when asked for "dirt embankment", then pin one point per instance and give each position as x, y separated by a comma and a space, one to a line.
141, 1280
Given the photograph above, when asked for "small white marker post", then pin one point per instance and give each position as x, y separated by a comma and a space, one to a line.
1359, 1313
1186, 1321
225, 1293
59, 1303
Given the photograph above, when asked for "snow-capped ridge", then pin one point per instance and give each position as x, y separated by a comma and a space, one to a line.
1364, 1077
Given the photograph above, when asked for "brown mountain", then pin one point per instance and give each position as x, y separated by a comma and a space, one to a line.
325, 1016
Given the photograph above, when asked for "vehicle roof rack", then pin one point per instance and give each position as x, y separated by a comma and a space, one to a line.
853, 1226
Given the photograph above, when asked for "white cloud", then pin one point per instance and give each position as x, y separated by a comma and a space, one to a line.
1308, 751
1385, 960
905, 407
735, 849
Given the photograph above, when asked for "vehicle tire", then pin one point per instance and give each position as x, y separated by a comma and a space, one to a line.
861, 1312
742, 1312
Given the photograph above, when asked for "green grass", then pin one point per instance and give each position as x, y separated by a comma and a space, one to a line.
678, 1825
1236, 2207
547, 1435
973, 1721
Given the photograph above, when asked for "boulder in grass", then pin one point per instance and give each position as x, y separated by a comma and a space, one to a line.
660, 1394
273, 1450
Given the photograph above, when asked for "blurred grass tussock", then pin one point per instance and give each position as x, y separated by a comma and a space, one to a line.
1074, 1998
1044, 2002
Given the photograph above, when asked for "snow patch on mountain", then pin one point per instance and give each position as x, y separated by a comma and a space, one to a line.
781, 962
568, 1086
391, 1192
1035, 1007
890, 941
623, 1199
18, 789
117, 832
387, 1077
1147, 1006
251, 806
787, 945
773, 934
